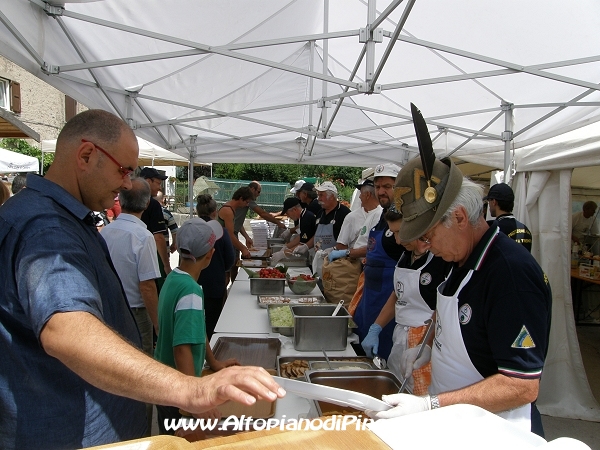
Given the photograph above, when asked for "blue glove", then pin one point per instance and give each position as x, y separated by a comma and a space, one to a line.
337, 254
370, 343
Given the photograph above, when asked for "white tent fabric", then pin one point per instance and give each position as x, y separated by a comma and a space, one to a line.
150, 154
12, 162
537, 204
233, 82
238, 83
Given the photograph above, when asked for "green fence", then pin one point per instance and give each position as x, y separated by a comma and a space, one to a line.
271, 197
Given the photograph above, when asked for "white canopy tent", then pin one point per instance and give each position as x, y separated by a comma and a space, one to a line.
150, 154
331, 81
12, 162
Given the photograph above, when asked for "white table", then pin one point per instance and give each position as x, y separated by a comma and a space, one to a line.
241, 313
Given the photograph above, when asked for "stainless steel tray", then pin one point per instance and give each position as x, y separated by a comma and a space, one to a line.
289, 331
248, 351
296, 366
266, 300
267, 286
370, 382
286, 331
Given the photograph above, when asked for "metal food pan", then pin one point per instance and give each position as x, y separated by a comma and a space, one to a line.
316, 329
271, 241
267, 286
339, 365
286, 331
371, 382
305, 361
266, 300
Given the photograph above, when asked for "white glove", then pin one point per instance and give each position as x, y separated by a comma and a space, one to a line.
409, 361
403, 404
286, 235
277, 256
301, 249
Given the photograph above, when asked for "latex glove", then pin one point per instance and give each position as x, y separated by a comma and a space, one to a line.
277, 256
301, 249
336, 254
409, 361
370, 343
403, 404
286, 235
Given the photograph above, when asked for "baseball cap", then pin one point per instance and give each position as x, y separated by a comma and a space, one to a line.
326, 186
151, 172
306, 187
366, 182
386, 170
289, 203
197, 237
419, 214
297, 185
502, 192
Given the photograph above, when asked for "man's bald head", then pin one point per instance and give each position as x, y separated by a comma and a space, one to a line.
94, 125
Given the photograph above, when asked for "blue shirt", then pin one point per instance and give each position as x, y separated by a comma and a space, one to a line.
54, 260
505, 309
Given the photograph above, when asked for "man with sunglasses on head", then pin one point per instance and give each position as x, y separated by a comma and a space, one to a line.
72, 374
493, 311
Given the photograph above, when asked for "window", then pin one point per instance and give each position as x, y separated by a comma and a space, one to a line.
10, 95
4, 93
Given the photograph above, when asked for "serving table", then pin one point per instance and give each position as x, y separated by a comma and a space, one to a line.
242, 316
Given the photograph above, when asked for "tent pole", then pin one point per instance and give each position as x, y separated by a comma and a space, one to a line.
507, 137
192, 150
325, 64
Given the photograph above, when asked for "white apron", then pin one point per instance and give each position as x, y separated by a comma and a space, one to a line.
411, 311
324, 237
451, 367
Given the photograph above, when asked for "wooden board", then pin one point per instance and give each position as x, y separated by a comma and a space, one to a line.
291, 440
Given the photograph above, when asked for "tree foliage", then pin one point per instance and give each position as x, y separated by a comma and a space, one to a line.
23, 147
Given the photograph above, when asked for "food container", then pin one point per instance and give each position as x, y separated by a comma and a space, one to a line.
265, 300
295, 366
294, 261
286, 329
339, 365
370, 382
315, 329
276, 248
267, 286
274, 241
300, 286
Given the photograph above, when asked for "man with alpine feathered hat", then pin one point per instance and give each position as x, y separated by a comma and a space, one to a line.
493, 311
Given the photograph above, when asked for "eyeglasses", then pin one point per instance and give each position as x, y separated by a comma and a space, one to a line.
427, 237
125, 171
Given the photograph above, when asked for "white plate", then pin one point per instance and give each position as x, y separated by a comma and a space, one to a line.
341, 397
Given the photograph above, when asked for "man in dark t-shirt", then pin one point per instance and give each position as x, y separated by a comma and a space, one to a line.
501, 201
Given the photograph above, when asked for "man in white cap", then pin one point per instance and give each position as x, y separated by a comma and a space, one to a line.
329, 221
382, 254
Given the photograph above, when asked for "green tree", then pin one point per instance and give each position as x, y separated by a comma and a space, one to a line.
23, 147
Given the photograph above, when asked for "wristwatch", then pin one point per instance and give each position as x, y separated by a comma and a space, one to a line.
348, 253
434, 401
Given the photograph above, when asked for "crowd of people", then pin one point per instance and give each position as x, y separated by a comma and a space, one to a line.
96, 327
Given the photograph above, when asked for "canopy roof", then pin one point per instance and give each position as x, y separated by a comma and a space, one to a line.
150, 154
238, 83
13, 162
